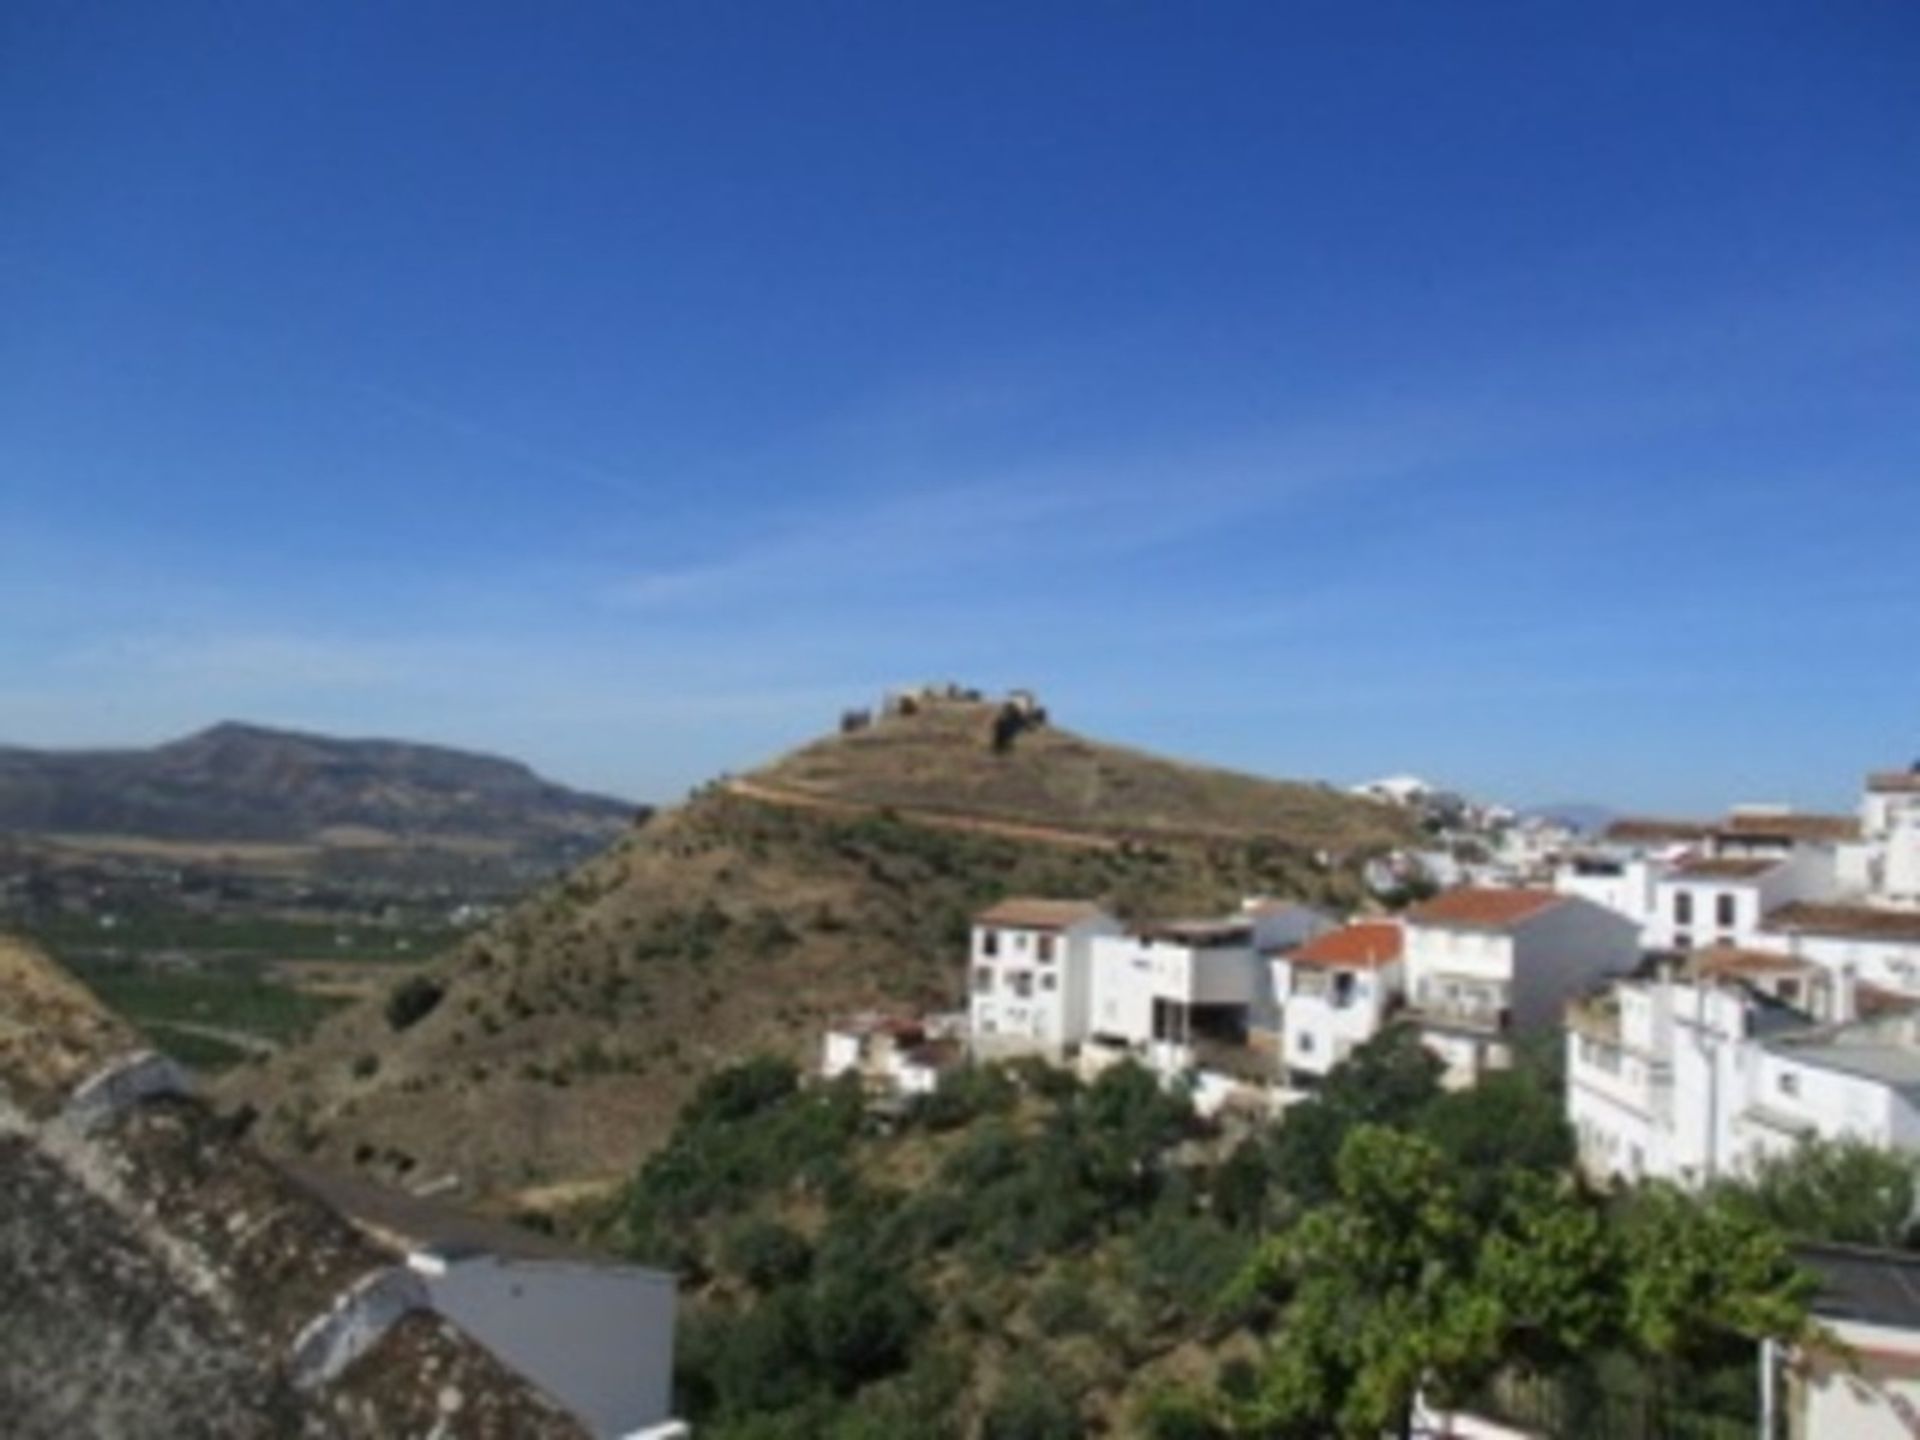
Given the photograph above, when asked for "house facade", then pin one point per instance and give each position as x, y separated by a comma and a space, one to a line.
1336, 992
1484, 966
1703, 1071
1029, 977
1723, 899
1880, 946
891, 1054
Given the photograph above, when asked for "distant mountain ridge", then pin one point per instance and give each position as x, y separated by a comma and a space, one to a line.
240, 782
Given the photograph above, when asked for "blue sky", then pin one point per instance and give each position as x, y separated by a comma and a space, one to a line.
1527, 395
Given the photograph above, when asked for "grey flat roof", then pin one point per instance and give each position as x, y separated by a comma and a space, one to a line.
1876, 1287
1871, 1058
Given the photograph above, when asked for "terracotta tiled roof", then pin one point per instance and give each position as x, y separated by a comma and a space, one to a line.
1894, 782
1875, 1000
1366, 945
1027, 914
1483, 909
1791, 826
1724, 868
1730, 960
1649, 830
1805, 917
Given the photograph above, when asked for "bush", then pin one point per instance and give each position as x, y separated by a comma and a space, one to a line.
1062, 1307
862, 1320
1030, 1406
412, 1000
766, 1254
1178, 1414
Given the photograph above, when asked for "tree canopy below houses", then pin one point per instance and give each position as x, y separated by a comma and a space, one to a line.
1027, 1255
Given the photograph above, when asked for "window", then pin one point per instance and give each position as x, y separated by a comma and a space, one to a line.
982, 980
1723, 910
1787, 1082
1044, 947
1343, 988
989, 942
1305, 1045
1049, 981
1683, 907
1022, 984
1682, 940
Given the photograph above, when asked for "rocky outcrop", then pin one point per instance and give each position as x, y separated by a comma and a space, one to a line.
158, 1277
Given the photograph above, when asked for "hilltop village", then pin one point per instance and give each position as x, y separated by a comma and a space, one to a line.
1725, 987
1717, 994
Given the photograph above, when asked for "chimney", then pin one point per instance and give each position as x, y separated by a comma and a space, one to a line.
1846, 996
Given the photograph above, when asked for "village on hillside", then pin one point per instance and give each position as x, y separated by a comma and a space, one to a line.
1718, 992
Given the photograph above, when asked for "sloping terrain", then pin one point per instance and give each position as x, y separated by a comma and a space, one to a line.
160, 1278
941, 761
558, 1045
246, 783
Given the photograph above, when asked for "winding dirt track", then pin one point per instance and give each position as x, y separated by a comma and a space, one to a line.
932, 819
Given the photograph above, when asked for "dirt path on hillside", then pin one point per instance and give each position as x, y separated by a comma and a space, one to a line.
932, 819
242, 1040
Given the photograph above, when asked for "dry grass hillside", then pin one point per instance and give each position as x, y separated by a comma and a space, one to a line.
940, 761
558, 1046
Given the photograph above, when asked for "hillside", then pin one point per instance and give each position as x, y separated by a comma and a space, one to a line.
938, 762
558, 1045
246, 783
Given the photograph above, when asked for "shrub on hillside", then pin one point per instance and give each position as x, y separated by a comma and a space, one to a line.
412, 1000
765, 1253
1031, 1406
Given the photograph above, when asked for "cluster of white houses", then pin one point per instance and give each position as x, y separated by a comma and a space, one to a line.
1781, 999
1726, 988
1254, 1007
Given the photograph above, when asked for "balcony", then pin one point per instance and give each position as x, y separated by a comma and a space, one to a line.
1463, 1005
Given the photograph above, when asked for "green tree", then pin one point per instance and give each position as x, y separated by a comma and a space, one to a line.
1840, 1191
1701, 1272
1508, 1124
1395, 1288
1387, 1081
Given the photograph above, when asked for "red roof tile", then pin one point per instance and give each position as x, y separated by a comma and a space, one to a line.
1724, 868
1366, 945
1806, 917
1790, 825
1483, 909
1026, 914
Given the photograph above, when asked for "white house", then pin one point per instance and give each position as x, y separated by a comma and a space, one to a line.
1485, 965
1856, 1081
1721, 899
1184, 994
1029, 981
1335, 992
892, 1054
1168, 991
1625, 882
1658, 1068
1701, 1072
1890, 821
1880, 946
